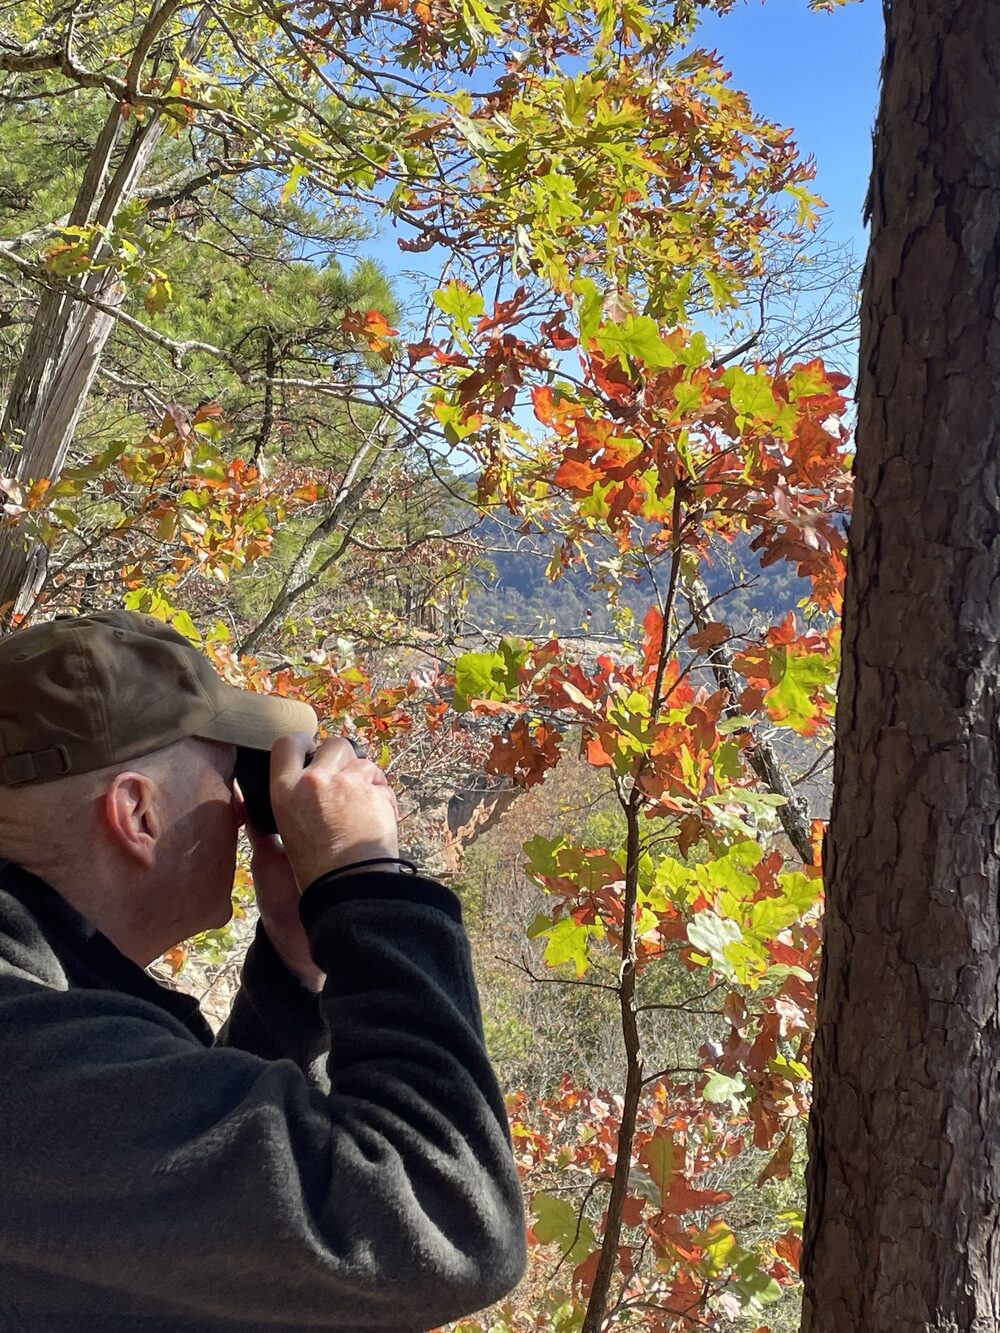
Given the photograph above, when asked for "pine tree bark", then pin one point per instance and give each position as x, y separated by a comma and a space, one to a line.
903, 1229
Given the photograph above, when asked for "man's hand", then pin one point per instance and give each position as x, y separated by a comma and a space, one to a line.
338, 810
278, 901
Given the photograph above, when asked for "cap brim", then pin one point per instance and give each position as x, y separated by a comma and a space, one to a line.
257, 720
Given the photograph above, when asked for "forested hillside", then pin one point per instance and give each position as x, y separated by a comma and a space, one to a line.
514, 592
560, 520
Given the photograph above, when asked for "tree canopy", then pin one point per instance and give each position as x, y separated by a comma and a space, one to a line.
218, 408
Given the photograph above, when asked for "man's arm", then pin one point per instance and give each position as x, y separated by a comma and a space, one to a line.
274, 1015
390, 1202
276, 1011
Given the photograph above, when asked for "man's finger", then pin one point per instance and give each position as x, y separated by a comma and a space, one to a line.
335, 753
288, 756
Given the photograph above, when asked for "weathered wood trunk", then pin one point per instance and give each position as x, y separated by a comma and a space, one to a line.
72, 325
63, 352
903, 1229
56, 377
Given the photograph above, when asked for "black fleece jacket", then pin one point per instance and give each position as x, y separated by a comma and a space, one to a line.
340, 1162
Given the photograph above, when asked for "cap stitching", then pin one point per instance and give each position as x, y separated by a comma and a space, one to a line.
202, 692
101, 705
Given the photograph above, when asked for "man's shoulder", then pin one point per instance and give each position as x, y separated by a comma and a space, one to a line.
26, 951
47, 950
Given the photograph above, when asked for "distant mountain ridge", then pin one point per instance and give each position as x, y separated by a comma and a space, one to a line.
521, 599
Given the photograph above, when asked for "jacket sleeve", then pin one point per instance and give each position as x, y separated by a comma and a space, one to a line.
274, 1016
389, 1202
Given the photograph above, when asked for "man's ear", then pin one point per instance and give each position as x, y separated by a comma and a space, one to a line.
131, 812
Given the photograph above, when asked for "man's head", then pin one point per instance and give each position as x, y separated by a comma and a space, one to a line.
117, 751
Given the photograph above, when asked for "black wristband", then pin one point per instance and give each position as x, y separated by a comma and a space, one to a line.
407, 866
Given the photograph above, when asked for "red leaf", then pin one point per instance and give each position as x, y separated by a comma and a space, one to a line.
504, 312
421, 350
714, 633
585, 1273
559, 336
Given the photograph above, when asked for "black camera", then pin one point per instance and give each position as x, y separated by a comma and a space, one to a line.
253, 773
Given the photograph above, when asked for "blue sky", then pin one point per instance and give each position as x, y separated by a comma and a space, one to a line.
817, 73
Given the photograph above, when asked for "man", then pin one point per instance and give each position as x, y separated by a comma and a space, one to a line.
339, 1158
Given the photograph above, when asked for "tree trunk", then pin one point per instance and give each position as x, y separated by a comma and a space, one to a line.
62, 355
904, 1178
68, 335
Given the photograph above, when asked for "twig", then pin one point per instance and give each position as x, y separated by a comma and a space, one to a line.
553, 981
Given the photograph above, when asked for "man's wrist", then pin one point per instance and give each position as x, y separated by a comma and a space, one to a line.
332, 891
390, 864
289, 942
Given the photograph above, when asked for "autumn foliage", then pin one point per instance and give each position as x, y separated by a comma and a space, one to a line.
599, 196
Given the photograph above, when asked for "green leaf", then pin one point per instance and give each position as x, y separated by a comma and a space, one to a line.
722, 1088
479, 676
711, 936
751, 394
638, 336
809, 203
589, 307
569, 943
298, 173
474, 133
719, 1245
460, 304
557, 1222
802, 676
808, 381
736, 723
542, 852
492, 675
478, 17
159, 294
772, 915
723, 290
731, 873
183, 624
756, 1288
539, 926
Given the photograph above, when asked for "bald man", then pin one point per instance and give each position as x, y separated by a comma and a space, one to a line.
339, 1157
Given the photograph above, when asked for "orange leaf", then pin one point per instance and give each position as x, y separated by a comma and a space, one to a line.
780, 1165
652, 642
789, 1248
175, 958
597, 755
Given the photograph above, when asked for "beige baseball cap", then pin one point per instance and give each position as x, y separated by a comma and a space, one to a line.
79, 693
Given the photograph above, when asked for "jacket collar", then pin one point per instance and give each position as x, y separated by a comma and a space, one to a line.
88, 958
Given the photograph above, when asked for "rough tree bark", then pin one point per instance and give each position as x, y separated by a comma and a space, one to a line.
903, 1227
